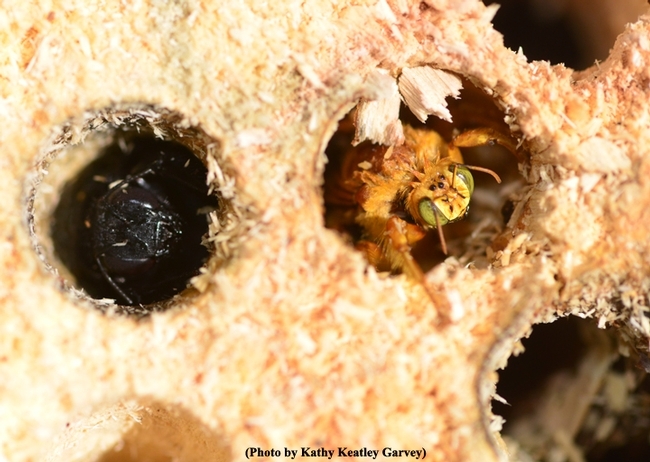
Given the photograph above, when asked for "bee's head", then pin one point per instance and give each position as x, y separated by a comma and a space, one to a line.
446, 198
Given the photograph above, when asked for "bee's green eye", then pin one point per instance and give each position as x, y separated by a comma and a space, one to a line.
453, 204
428, 211
465, 176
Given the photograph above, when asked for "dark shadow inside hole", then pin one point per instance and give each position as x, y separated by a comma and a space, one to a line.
550, 348
129, 226
466, 238
543, 31
576, 33
629, 439
563, 363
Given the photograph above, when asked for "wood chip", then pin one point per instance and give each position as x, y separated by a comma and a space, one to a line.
424, 90
378, 121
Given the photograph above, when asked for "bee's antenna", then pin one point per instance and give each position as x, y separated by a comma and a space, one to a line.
443, 243
480, 169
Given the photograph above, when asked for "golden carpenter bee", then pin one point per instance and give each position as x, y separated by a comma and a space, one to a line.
397, 194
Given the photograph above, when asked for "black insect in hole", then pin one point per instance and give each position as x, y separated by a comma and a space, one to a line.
130, 226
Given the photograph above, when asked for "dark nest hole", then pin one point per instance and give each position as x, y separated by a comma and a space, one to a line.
129, 226
491, 204
123, 212
543, 31
573, 396
573, 33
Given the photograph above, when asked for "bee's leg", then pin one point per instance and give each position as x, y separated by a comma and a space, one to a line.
401, 236
483, 137
374, 254
112, 282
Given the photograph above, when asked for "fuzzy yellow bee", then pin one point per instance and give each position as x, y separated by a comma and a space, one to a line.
402, 192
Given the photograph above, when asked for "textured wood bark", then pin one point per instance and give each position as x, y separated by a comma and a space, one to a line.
292, 340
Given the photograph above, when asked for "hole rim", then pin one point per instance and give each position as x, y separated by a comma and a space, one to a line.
81, 140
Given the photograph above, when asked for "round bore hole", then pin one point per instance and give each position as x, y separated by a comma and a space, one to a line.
574, 33
122, 210
372, 193
140, 430
573, 395
130, 225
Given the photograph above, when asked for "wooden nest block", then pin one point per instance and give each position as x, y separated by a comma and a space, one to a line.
287, 337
